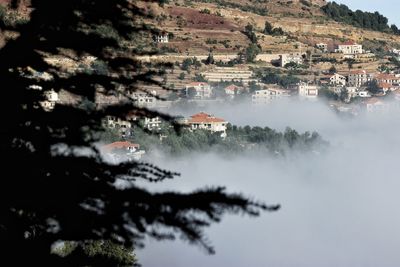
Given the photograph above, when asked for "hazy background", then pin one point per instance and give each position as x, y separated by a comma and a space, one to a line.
339, 208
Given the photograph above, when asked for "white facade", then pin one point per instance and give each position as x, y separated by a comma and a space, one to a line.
201, 90
142, 99
161, 38
267, 95
337, 80
207, 122
322, 46
307, 91
290, 58
350, 48
363, 93
359, 78
152, 123
51, 100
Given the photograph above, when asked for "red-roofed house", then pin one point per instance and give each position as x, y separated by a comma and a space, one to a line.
198, 90
207, 122
349, 48
121, 145
233, 90
122, 151
387, 78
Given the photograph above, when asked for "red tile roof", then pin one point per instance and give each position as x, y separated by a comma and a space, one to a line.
385, 76
232, 87
204, 118
119, 145
385, 85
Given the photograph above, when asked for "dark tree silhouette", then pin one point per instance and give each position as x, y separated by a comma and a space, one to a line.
55, 184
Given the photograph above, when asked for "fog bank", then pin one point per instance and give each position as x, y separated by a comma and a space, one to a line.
339, 208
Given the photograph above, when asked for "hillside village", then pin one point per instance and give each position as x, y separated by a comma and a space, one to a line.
228, 52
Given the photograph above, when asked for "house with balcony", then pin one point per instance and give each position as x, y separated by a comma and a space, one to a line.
265, 96
207, 122
198, 90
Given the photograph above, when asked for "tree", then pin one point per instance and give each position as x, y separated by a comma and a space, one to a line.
268, 28
251, 52
65, 191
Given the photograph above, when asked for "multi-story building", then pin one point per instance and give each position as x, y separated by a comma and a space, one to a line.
161, 37
307, 91
349, 48
387, 78
290, 58
143, 99
359, 78
124, 127
267, 95
337, 80
207, 122
152, 123
198, 90
51, 98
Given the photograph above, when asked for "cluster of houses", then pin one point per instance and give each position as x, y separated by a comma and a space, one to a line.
346, 50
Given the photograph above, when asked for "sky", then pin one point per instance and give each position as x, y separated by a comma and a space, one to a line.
388, 8
339, 207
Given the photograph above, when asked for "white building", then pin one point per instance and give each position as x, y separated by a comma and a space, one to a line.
152, 123
51, 98
376, 105
207, 122
198, 90
123, 126
322, 46
233, 90
359, 78
161, 37
307, 91
267, 95
363, 93
337, 80
143, 99
122, 151
349, 48
290, 58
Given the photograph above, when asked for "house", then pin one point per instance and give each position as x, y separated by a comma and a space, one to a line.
322, 46
267, 95
349, 48
233, 90
387, 78
122, 151
290, 58
376, 105
358, 78
198, 90
306, 90
162, 37
124, 127
152, 123
207, 122
387, 87
143, 99
51, 98
337, 80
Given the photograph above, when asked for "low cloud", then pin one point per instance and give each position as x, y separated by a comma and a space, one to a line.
339, 208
